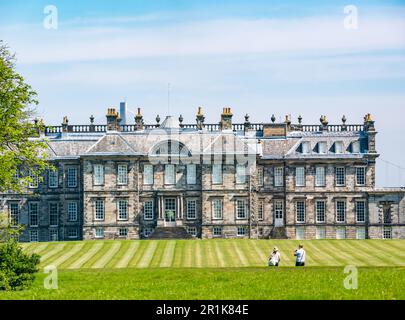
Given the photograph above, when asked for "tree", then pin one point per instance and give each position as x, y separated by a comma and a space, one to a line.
21, 152
17, 268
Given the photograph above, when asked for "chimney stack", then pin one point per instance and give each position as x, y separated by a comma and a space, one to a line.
113, 120
226, 119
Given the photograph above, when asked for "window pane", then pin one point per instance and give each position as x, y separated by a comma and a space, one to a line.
191, 174
122, 210
300, 233
361, 211
100, 211
14, 213
279, 176
191, 209
217, 209
339, 147
320, 178
148, 210
53, 178
122, 174
217, 174
72, 177
356, 147
300, 176
240, 173
34, 180
33, 213
260, 173
361, 233
53, 214
340, 211
340, 176
241, 210
170, 174
361, 176
72, 211
322, 147
98, 174
320, 233
261, 211
148, 174
300, 211
320, 211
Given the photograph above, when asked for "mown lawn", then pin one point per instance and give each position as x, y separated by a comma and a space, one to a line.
227, 253
222, 284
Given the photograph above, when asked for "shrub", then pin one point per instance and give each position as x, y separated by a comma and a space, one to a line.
17, 269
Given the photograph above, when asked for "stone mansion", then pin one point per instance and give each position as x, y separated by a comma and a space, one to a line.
253, 180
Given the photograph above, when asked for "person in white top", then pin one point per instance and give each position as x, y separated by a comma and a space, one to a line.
275, 258
300, 256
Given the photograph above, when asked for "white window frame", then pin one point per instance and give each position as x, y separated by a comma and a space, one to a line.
170, 174
320, 233
191, 209
241, 209
387, 233
217, 231
53, 214
240, 174
53, 234
34, 184
34, 235
33, 214
14, 213
360, 233
192, 231
300, 179
240, 228
72, 209
99, 233
99, 210
339, 147
361, 171
72, 177
340, 176
340, 233
191, 174
215, 209
122, 174
148, 174
356, 147
306, 147
322, 147
123, 232
217, 174
148, 210
279, 209
72, 233
300, 233
98, 178
53, 181
359, 213
122, 214
340, 206
279, 176
318, 213
320, 176
300, 211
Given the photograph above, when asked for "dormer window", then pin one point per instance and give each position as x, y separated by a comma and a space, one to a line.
306, 147
322, 147
356, 147
339, 147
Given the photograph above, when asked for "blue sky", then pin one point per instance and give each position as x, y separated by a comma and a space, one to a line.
261, 57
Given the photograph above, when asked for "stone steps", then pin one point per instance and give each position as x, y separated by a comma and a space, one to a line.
278, 233
170, 233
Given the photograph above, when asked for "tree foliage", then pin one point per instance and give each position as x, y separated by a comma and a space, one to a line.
21, 151
17, 269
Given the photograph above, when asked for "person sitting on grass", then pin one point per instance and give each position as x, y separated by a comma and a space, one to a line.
274, 259
300, 256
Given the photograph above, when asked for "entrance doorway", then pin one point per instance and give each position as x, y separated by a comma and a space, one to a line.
170, 212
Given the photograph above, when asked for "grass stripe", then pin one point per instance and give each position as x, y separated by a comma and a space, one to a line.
242, 258
158, 254
40, 248
138, 254
107, 257
74, 250
87, 256
148, 255
220, 256
168, 255
198, 262
56, 249
318, 257
128, 255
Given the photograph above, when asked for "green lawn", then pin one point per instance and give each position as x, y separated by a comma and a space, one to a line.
217, 269
227, 253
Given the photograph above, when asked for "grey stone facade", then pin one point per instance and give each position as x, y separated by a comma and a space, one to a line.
300, 181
